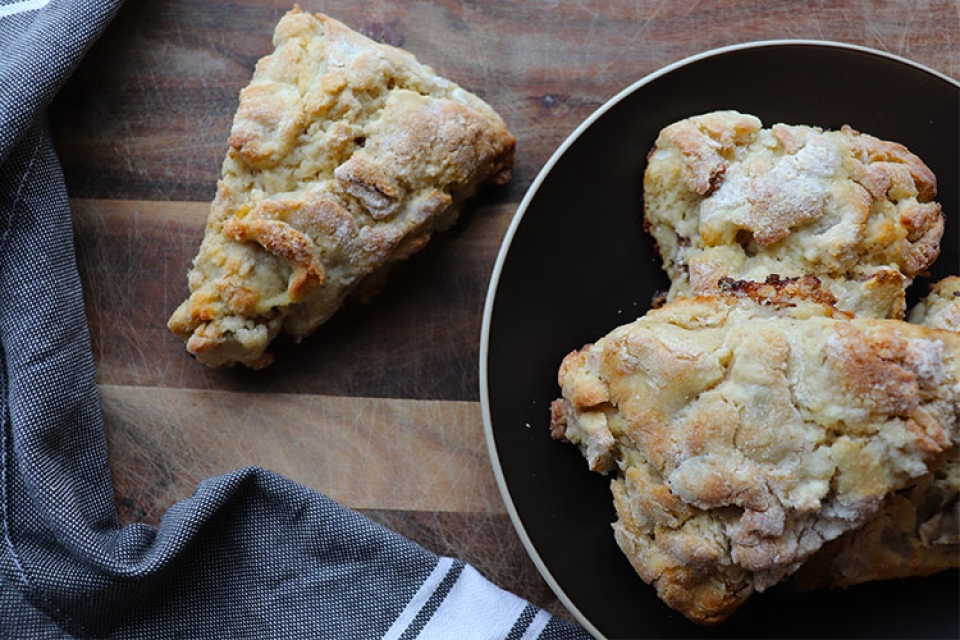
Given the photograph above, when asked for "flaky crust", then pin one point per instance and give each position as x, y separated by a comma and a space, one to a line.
940, 308
345, 156
917, 531
746, 429
725, 197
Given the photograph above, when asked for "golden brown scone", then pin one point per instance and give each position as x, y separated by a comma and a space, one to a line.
917, 531
746, 429
940, 308
725, 197
345, 156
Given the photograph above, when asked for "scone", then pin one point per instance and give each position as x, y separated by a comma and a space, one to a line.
744, 430
724, 197
914, 534
917, 531
344, 157
940, 308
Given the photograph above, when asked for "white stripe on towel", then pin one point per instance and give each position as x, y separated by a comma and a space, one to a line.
475, 606
22, 7
537, 625
419, 599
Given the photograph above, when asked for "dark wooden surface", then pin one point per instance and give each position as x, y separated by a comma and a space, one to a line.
380, 409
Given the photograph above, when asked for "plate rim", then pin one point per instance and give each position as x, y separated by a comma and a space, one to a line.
530, 194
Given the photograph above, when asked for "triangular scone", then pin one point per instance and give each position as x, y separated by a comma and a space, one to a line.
745, 429
345, 155
724, 197
917, 531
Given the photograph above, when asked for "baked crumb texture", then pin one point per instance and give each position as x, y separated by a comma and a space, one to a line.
747, 429
344, 157
917, 530
940, 308
775, 416
725, 197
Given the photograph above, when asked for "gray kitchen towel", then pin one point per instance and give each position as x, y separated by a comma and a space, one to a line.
251, 554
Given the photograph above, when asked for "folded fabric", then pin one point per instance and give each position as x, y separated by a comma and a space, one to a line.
250, 554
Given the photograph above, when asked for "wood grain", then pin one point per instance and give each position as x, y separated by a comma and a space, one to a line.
378, 409
148, 114
366, 453
418, 467
419, 338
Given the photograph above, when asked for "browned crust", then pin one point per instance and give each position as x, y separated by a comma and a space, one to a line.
715, 416
726, 198
345, 157
778, 291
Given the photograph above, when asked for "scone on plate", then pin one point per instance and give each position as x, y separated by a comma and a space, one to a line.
940, 308
744, 430
345, 156
917, 531
725, 197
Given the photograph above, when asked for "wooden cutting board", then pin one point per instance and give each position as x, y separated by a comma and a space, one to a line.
380, 410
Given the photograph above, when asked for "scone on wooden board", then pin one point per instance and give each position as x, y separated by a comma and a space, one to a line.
345, 156
745, 429
724, 196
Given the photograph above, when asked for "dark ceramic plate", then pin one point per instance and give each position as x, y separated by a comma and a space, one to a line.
576, 263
